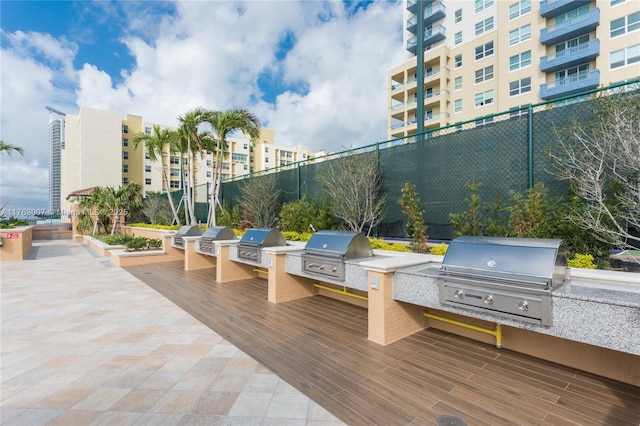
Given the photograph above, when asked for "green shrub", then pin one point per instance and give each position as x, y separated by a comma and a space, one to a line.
150, 226
301, 215
297, 236
584, 261
383, 245
439, 250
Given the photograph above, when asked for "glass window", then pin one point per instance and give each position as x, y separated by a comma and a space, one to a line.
458, 15
520, 34
484, 50
484, 74
147, 169
125, 168
485, 98
458, 61
209, 173
125, 181
147, 156
147, 181
125, 128
174, 184
458, 37
519, 9
520, 60
125, 155
482, 5
622, 57
458, 105
125, 142
458, 83
484, 26
147, 130
520, 86
616, 2
616, 27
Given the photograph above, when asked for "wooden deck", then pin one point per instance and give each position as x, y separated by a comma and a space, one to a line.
320, 346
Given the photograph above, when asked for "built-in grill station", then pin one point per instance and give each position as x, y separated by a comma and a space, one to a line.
214, 233
326, 251
177, 240
254, 240
508, 277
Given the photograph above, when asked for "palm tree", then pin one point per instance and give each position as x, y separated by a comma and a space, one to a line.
8, 148
111, 203
224, 123
155, 144
192, 142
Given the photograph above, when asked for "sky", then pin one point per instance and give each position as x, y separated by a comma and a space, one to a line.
313, 71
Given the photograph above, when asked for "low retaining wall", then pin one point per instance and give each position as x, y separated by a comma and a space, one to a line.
16, 242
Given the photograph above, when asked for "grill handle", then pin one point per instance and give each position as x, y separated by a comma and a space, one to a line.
476, 279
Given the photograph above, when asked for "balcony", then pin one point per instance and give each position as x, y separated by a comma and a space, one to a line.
571, 85
434, 35
570, 57
433, 13
412, 5
571, 28
552, 8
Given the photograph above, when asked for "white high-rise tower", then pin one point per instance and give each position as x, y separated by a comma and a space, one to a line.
56, 145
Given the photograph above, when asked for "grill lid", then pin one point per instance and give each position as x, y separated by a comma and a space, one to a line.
534, 259
189, 231
263, 237
344, 244
219, 233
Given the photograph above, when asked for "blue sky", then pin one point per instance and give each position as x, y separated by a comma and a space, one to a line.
313, 71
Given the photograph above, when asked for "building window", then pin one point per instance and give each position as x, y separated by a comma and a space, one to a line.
484, 26
519, 9
174, 184
125, 128
147, 169
125, 181
520, 60
483, 4
484, 74
246, 167
125, 142
147, 181
485, 98
622, 57
458, 37
458, 61
208, 173
484, 122
484, 50
626, 24
245, 146
520, 86
147, 156
520, 34
458, 84
458, 15
125, 155
209, 162
125, 168
174, 160
266, 149
457, 106
266, 159
573, 74
574, 43
616, 2
147, 130
174, 172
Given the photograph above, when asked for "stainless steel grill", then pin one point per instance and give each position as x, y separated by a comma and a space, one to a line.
255, 239
509, 277
326, 252
215, 233
185, 231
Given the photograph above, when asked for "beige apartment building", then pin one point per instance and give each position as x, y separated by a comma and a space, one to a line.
97, 152
487, 56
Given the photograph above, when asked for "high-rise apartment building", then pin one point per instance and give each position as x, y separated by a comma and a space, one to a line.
98, 152
56, 143
487, 56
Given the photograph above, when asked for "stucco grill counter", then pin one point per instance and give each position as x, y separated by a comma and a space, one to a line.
214, 233
255, 239
509, 277
326, 251
177, 240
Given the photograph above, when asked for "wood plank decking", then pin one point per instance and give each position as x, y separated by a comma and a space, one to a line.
320, 346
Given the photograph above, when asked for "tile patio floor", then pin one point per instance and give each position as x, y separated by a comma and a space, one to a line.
86, 343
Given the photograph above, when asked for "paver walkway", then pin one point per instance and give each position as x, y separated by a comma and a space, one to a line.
84, 342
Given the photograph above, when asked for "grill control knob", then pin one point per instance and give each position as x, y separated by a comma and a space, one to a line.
488, 300
458, 294
523, 306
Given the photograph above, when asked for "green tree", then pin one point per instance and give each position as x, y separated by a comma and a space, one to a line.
9, 149
156, 144
529, 213
413, 209
469, 222
223, 124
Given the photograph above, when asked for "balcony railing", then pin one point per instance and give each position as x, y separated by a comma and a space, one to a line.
434, 12
570, 85
571, 28
570, 57
553, 8
434, 35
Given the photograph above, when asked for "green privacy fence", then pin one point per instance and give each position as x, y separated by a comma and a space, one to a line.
504, 152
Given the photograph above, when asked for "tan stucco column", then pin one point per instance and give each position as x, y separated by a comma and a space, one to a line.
194, 260
228, 270
174, 253
284, 286
390, 320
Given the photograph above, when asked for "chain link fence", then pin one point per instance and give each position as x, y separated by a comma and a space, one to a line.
504, 152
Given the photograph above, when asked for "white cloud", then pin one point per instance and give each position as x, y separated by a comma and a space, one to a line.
211, 54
